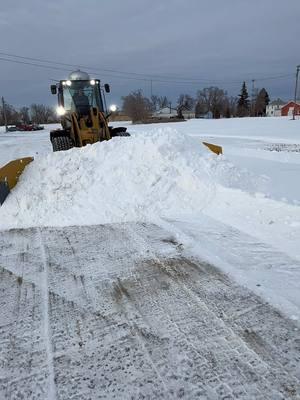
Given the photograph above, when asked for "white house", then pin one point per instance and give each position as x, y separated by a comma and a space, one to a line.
187, 114
166, 112
208, 115
274, 108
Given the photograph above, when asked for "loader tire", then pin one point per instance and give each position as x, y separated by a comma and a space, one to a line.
61, 143
123, 134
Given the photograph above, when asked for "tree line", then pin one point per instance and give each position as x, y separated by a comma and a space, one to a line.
211, 100
36, 113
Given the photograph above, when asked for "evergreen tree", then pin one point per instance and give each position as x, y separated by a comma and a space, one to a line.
243, 102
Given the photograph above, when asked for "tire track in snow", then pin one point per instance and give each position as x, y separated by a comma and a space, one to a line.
129, 311
47, 329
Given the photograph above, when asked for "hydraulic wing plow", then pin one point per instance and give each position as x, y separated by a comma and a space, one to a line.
9, 175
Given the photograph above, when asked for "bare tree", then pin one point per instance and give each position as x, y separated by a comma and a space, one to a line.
211, 99
185, 101
261, 102
229, 107
136, 106
164, 101
24, 115
12, 115
154, 102
41, 114
159, 102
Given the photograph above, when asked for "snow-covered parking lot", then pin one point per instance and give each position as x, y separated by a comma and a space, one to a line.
158, 218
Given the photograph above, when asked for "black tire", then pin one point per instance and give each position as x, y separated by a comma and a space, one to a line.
119, 131
61, 143
123, 134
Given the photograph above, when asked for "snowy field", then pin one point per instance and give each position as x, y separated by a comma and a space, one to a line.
238, 213
163, 174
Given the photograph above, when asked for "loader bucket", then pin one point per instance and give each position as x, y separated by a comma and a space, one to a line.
214, 148
9, 175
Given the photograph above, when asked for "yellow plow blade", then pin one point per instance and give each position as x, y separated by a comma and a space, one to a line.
214, 148
9, 175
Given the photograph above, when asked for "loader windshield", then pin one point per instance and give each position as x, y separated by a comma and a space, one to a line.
80, 96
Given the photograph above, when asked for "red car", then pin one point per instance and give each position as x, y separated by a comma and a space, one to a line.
29, 127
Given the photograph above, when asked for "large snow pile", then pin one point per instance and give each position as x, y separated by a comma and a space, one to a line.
140, 177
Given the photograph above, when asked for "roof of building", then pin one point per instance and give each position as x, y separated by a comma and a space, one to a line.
291, 102
166, 110
277, 102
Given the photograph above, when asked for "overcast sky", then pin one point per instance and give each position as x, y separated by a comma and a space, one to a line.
217, 42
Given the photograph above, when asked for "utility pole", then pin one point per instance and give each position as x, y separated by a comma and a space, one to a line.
151, 89
4, 114
296, 88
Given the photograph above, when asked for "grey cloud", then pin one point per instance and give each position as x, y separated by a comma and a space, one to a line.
217, 40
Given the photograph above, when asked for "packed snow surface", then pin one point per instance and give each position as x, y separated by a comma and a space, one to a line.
120, 311
163, 174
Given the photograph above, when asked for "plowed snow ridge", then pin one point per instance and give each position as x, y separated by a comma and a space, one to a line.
145, 176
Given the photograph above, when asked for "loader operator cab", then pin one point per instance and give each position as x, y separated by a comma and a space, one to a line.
80, 96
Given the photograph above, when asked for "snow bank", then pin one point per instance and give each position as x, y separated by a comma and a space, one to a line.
123, 179
136, 178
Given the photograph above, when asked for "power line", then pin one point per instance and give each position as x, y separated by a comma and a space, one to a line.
146, 77
274, 77
60, 68
68, 65
33, 64
92, 69
114, 76
88, 69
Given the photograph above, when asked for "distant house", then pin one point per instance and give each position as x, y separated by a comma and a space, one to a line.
207, 115
186, 112
279, 108
274, 108
165, 112
288, 109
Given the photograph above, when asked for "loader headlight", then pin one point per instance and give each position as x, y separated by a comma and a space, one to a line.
60, 111
93, 82
68, 83
113, 108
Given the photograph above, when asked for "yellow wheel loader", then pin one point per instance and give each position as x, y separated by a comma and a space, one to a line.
83, 112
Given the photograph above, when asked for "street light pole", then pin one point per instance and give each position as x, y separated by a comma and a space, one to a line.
4, 113
296, 88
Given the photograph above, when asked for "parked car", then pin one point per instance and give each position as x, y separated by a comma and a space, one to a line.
29, 127
12, 128
37, 127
